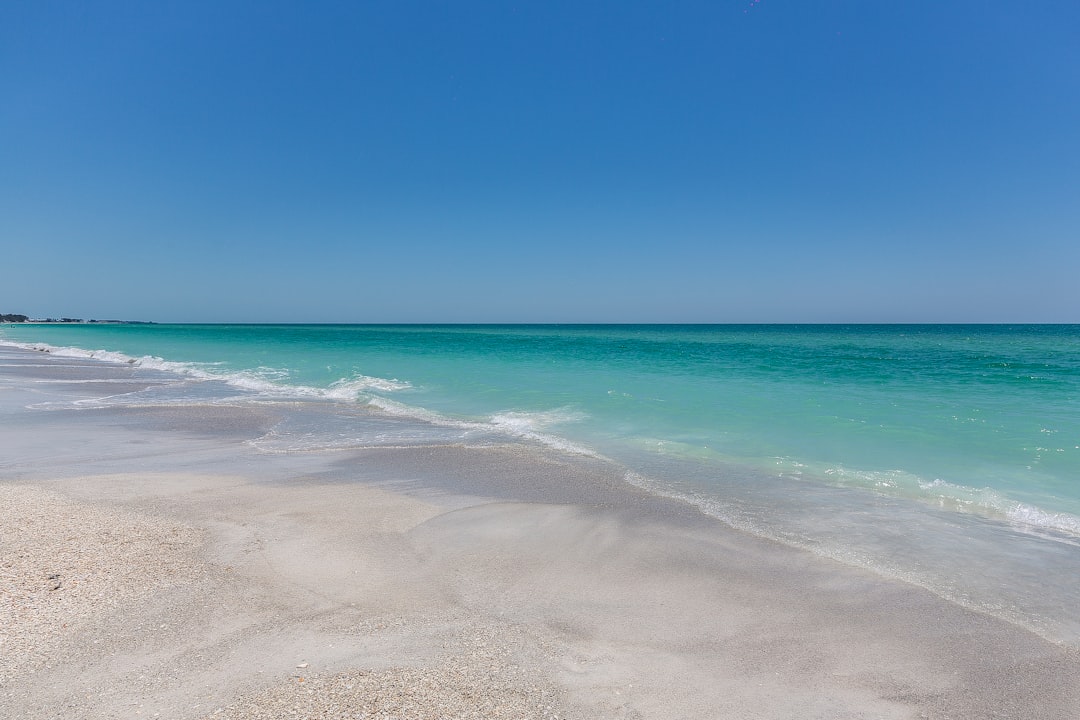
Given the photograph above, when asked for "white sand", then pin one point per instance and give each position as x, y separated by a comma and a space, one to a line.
65, 566
349, 601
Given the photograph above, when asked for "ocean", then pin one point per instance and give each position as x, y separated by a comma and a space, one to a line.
944, 455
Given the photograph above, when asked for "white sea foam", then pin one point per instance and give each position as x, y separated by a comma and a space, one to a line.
710, 505
532, 422
530, 425
392, 407
149, 362
993, 503
955, 497
1031, 516
356, 386
264, 381
524, 425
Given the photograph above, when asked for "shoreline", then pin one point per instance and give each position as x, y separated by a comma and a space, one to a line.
506, 581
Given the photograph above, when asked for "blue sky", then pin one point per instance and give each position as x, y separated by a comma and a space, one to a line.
709, 161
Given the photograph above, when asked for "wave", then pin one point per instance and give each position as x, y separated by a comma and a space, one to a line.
984, 501
265, 381
995, 504
517, 424
531, 426
358, 385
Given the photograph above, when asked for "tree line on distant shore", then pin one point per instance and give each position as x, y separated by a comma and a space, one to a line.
16, 318
13, 317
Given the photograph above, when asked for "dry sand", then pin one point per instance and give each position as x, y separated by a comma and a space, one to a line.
441, 583
65, 566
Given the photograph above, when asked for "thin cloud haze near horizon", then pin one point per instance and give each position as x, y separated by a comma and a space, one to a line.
557, 162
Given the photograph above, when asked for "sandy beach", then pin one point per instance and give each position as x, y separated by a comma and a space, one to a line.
154, 563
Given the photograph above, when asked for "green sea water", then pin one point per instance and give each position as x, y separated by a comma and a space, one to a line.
945, 455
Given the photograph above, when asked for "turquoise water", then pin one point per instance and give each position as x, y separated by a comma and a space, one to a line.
947, 456
980, 417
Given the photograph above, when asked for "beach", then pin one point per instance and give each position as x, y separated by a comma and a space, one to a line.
158, 563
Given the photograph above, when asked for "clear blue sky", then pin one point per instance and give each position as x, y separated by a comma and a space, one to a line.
396, 161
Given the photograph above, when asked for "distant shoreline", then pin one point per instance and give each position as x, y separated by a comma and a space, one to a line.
26, 320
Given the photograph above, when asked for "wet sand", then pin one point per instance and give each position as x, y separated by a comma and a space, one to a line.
154, 563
